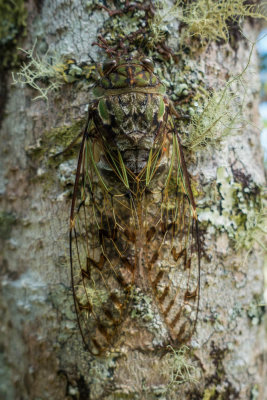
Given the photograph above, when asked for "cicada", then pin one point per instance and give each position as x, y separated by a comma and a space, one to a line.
133, 221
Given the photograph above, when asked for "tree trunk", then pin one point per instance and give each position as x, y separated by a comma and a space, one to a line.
42, 352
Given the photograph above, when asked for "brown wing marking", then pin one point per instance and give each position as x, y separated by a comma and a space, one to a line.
172, 254
102, 248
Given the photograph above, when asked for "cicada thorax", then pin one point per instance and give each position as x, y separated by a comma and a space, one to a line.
130, 113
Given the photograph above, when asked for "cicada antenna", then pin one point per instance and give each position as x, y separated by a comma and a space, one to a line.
122, 48
103, 44
92, 59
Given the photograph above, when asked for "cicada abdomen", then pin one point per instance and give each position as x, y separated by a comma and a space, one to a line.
133, 216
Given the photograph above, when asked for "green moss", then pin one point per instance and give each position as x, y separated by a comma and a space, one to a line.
209, 393
42, 154
12, 28
56, 140
63, 136
119, 395
7, 221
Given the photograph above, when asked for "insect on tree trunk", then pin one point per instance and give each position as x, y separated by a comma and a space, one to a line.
164, 217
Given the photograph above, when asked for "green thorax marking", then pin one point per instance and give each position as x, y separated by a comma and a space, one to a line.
128, 76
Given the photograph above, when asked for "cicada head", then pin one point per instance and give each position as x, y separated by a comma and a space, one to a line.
128, 73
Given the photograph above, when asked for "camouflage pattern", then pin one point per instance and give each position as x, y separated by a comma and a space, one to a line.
130, 111
133, 217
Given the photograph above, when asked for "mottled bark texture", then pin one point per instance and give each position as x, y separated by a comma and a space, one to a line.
42, 355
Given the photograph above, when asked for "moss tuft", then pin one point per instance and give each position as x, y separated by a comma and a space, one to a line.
56, 140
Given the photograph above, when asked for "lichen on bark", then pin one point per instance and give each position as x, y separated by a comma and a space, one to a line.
43, 353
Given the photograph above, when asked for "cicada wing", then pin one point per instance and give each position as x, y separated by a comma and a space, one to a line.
102, 253
172, 255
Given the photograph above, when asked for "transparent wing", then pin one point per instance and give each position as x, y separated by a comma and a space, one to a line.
102, 247
123, 224
172, 246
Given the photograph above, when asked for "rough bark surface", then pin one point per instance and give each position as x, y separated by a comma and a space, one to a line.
42, 355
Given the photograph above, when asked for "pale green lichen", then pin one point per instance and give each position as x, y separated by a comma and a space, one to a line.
220, 117
254, 393
212, 20
49, 72
142, 308
94, 296
179, 369
256, 311
40, 69
164, 14
221, 114
238, 206
206, 20
255, 230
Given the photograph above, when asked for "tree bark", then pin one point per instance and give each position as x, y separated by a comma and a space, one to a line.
42, 352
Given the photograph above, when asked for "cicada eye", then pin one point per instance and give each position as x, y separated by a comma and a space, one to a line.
108, 65
148, 64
